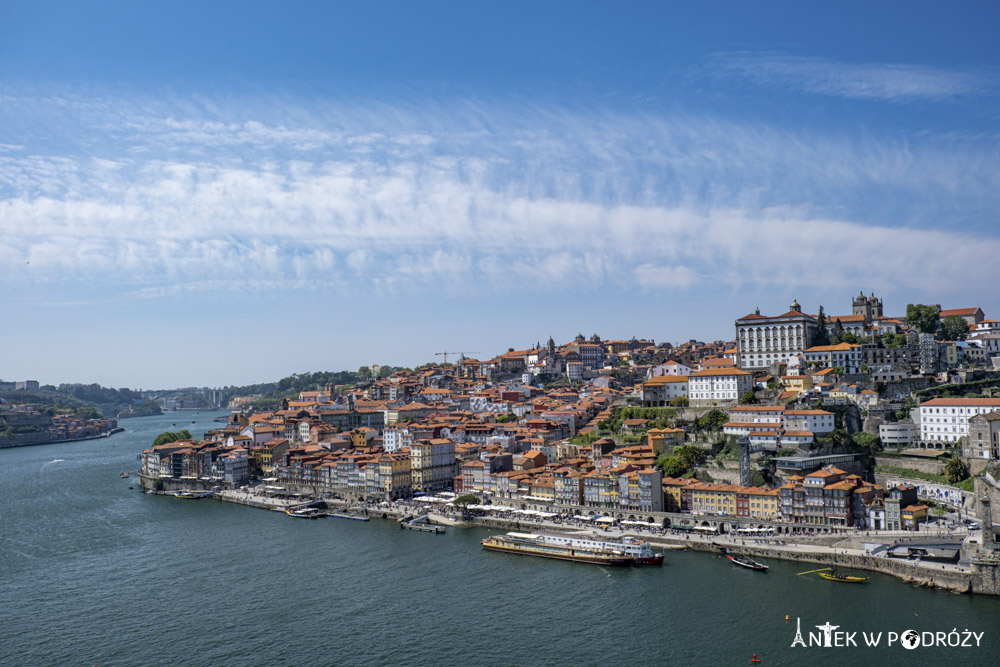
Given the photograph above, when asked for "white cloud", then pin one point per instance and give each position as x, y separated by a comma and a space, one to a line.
873, 81
540, 197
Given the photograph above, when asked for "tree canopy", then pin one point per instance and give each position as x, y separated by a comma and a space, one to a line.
923, 318
466, 500
954, 327
711, 421
956, 470
168, 436
681, 460
822, 336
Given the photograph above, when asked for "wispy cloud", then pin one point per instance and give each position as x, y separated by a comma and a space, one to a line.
871, 81
160, 203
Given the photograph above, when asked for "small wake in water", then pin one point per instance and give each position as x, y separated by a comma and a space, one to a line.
57, 460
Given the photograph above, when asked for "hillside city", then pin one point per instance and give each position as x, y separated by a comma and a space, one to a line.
826, 422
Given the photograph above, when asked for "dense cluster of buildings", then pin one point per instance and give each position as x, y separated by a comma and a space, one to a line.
507, 428
29, 425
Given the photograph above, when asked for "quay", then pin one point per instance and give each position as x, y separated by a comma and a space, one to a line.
843, 550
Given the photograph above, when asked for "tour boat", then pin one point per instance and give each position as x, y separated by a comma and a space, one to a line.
577, 548
307, 513
747, 562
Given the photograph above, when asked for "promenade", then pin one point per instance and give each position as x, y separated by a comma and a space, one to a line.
824, 549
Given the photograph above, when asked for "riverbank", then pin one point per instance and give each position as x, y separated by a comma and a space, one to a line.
946, 576
4, 444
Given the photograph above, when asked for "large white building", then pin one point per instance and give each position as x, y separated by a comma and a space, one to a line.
762, 341
660, 390
718, 385
946, 420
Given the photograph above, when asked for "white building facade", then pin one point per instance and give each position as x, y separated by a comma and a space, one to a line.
762, 341
718, 385
946, 420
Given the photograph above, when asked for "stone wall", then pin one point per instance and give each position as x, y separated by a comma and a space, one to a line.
931, 466
903, 388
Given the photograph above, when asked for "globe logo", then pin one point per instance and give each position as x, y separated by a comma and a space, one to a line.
910, 639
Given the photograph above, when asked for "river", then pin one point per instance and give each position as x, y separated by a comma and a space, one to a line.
96, 574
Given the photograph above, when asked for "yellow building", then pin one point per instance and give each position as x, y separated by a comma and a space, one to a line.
713, 498
661, 438
674, 493
763, 504
798, 383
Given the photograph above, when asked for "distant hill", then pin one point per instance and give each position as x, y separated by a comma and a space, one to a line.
83, 399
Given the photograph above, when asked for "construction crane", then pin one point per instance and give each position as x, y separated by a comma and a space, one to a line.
446, 353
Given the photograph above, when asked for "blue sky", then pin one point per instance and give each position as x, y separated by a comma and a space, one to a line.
224, 193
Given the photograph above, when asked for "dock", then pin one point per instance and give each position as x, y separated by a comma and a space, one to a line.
421, 523
347, 513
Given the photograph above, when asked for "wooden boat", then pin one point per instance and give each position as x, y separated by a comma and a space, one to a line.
747, 562
306, 513
833, 575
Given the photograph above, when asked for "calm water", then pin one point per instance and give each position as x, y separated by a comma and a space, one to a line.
95, 574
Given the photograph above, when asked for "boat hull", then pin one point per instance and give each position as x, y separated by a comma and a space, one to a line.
564, 554
750, 565
651, 561
843, 580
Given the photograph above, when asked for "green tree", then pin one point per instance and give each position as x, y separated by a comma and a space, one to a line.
503, 419
168, 436
903, 413
465, 500
954, 327
893, 340
756, 478
748, 397
689, 455
822, 336
680, 402
774, 384
711, 421
848, 337
670, 466
867, 442
922, 318
838, 333
956, 470
365, 372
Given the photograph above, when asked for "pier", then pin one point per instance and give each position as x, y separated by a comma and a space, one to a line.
421, 523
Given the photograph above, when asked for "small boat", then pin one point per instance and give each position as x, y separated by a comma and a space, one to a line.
834, 576
124, 475
192, 495
307, 513
747, 562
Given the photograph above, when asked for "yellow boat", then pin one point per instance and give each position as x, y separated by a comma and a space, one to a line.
833, 576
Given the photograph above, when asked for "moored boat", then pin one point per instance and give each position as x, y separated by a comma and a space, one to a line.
834, 575
577, 548
192, 495
747, 562
307, 513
